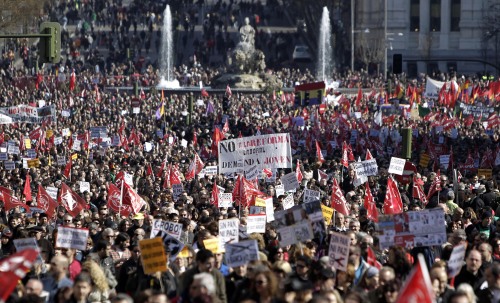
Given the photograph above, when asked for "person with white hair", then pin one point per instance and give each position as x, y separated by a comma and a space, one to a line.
203, 285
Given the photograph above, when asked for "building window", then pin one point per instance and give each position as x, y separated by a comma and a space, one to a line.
412, 69
455, 16
435, 20
414, 15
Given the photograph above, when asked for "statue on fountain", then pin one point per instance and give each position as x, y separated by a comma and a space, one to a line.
246, 65
245, 58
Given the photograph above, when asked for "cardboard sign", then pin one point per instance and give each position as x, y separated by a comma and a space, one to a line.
260, 202
311, 195
27, 143
225, 199
13, 149
292, 234
208, 171
424, 160
327, 214
252, 173
4, 156
175, 246
256, 224
229, 231
456, 260
397, 166
269, 210
153, 255
288, 202
69, 237
366, 168
171, 228
26, 243
52, 191
84, 186
339, 251
33, 163
487, 173
290, 181
241, 253
61, 160
212, 245
280, 190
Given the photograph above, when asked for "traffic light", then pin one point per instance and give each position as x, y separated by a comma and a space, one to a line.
50, 46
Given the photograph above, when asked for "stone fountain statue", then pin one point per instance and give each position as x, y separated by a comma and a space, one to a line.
246, 65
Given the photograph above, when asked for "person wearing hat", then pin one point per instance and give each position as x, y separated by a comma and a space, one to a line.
138, 222
45, 246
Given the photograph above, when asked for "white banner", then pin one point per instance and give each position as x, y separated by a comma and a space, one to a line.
27, 114
229, 231
171, 228
52, 191
366, 168
225, 199
432, 88
84, 186
265, 151
69, 237
339, 250
279, 189
269, 209
241, 253
256, 224
397, 166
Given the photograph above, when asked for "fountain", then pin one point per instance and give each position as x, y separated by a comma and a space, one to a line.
166, 53
324, 68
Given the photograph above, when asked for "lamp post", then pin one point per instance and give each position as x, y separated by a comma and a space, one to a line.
352, 36
385, 40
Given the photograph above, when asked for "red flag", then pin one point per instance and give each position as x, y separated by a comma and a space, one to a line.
114, 197
244, 192
214, 200
345, 155
216, 138
45, 202
27, 189
339, 203
392, 203
359, 97
319, 155
142, 95
130, 197
368, 155
204, 92
67, 169
73, 203
369, 204
72, 81
195, 167
13, 269
228, 91
267, 172
225, 129
371, 258
166, 182
322, 175
10, 201
418, 192
435, 185
298, 172
417, 287
195, 139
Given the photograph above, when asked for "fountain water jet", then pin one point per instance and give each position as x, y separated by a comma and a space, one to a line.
166, 53
325, 61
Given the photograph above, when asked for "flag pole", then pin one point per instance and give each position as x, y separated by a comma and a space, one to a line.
121, 198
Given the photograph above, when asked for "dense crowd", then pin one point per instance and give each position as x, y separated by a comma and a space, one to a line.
98, 138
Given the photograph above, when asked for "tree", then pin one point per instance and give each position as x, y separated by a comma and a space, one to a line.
491, 32
19, 15
370, 47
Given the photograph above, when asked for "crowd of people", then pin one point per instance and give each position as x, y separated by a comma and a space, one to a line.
166, 134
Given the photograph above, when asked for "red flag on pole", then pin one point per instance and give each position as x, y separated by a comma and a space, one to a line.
225, 129
216, 138
359, 97
392, 203
45, 202
228, 91
204, 92
319, 155
418, 286
13, 269
339, 203
214, 200
435, 185
368, 155
130, 197
418, 192
71, 201
371, 258
369, 204
10, 201
27, 189
298, 172
67, 169
72, 81
195, 167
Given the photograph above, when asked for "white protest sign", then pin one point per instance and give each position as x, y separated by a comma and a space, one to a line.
209, 171
339, 251
66, 132
299, 232
61, 160
290, 181
13, 149
177, 190
225, 199
76, 145
366, 168
444, 160
456, 260
279, 189
264, 151
148, 146
269, 209
288, 202
256, 224
9, 165
136, 110
25, 243
397, 166
175, 246
65, 113
4, 156
229, 231
184, 143
171, 228
69, 237
241, 253
52, 191
252, 173
311, 195
58, 140
84, 186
